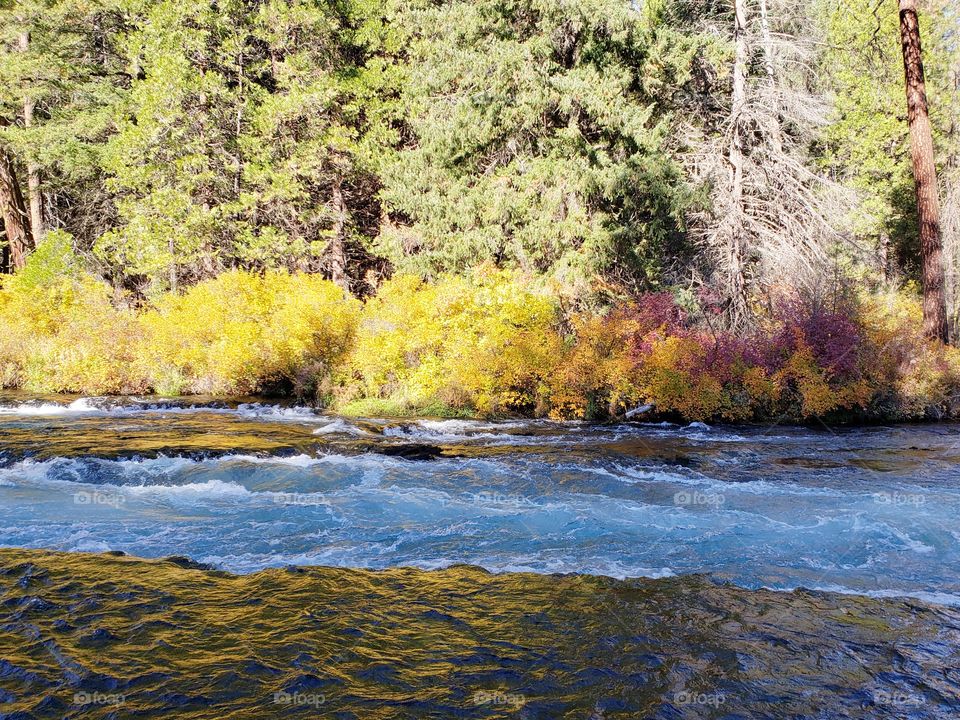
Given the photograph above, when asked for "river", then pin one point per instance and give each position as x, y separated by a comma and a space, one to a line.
622, 570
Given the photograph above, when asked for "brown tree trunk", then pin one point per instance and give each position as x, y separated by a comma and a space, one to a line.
4, 250
337, 249
16, 221
33, 170
924, 175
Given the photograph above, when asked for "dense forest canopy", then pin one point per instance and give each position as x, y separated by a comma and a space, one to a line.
589, 142
570, 208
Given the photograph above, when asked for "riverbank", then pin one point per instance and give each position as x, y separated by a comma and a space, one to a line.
104, 636
495, 344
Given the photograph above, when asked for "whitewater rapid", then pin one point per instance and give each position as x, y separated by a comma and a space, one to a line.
251, 485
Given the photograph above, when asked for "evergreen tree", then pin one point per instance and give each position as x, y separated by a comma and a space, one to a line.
247, 140
61, 74
534, 141
867, 144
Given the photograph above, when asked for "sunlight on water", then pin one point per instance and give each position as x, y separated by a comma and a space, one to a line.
255, 489
249, 486
94, 636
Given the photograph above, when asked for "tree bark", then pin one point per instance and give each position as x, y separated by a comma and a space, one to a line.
16, 221
736, 251
767, 40
337, 249
924, 175
33, 170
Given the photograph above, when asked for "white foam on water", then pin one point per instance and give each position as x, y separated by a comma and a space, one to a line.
635, 475
302, 460
211, 489
50, 409
460, 427
341, 427
91, 546
102, 407
554, 565
34, 472
937, 598
278, 412
39, 471
458, 431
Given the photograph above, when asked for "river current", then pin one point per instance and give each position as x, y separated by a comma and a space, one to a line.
716, 526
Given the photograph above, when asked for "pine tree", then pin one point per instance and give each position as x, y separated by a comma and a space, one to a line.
925, 176
247, 140
535, 140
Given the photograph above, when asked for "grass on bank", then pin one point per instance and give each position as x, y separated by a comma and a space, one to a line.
492, 344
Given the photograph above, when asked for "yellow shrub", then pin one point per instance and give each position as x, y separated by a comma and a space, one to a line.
61, 331
761, 393
93, 351
913, 376
244, 333
597, 375
485, 343
802, 373
673, 379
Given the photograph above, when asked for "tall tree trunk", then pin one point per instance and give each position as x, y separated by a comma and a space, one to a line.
924, 175
337, 249
767, 40
736, 251
33, 170
16, 221
950, 211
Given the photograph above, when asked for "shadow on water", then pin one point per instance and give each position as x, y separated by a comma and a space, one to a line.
103, 636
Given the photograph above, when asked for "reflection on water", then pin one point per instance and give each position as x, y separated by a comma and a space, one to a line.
250, 489
99, 636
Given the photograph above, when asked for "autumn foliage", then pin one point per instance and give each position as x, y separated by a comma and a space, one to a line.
493, 343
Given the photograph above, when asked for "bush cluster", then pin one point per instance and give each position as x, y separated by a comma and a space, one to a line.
240, 333
491, 343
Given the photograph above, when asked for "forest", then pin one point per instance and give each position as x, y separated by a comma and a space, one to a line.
488, 207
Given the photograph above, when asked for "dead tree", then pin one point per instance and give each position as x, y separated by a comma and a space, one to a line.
735, 230
773, 220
